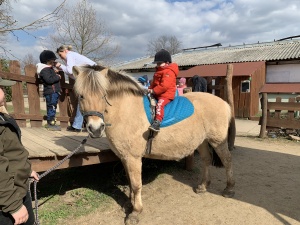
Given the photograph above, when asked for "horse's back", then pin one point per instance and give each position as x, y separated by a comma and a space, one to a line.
214, 112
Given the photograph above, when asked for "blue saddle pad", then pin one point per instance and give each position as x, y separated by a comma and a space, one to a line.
175, 111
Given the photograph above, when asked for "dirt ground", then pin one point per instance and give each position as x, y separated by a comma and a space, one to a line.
267, 174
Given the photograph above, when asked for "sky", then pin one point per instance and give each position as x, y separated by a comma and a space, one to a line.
194, 23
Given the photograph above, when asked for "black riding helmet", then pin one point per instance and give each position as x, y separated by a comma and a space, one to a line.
46, 56
162, 56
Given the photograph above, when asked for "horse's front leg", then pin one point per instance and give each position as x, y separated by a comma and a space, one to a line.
133, 167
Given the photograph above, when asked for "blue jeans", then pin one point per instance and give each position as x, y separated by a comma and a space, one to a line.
7, 219
78, 120
51, 103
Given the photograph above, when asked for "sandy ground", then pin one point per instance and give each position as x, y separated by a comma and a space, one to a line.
267, 174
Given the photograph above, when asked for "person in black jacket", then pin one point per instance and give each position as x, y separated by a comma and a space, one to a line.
15, 170
52, 89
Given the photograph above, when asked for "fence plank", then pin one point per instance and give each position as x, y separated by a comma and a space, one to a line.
33, 96
17, 93
290, 106
283, 123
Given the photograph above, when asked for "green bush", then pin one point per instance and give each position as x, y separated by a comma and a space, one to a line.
8, 94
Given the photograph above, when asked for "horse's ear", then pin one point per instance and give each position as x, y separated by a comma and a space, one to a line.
76, 70
104, 71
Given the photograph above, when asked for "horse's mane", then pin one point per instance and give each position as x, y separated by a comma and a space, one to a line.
97, 80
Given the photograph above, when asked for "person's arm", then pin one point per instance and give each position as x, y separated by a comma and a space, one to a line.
70, 62
49, 76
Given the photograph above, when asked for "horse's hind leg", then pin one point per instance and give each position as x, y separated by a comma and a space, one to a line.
133, 167
206, 159
225, 156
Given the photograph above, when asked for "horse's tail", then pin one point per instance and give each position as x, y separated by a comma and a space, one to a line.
231, 134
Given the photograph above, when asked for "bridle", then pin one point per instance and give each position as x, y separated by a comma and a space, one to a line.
86, 114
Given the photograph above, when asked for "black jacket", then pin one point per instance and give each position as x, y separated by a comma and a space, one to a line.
15, 167
50, 80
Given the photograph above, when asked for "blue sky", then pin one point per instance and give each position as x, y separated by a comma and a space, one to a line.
194, 23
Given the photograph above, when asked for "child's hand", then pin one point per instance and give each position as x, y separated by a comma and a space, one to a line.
150, 91
57, 65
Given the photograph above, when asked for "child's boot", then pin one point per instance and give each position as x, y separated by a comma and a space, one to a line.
155, 126
52, 127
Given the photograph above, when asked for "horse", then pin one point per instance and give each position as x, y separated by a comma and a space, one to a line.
112, 104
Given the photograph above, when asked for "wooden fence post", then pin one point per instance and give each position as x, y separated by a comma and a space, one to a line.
33, 96
264, 104
229, 98
17, 93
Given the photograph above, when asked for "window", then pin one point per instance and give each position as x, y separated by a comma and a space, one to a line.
245, 86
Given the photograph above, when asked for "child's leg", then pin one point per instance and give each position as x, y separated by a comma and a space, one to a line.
159, 114
51, 102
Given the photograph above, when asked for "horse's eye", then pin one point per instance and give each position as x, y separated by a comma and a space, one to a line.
81, 97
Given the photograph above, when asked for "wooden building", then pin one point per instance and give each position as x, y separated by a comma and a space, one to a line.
248, 78
269, 67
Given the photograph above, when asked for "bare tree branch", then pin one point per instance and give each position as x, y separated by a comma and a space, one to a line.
8, 24
170, 43
79, 27
28, 59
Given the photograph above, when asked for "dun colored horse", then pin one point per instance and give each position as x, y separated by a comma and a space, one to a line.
112, 102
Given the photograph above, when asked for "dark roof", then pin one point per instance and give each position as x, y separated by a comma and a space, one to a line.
281, 88
268, 51
239, 69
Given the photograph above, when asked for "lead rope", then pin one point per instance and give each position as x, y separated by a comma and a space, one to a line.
37, 222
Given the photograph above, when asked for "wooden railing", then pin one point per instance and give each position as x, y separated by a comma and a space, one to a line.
289, 119
28, 84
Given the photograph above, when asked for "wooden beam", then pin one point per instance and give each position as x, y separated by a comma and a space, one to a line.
43, 164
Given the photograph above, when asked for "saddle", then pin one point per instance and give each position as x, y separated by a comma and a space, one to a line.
175, 111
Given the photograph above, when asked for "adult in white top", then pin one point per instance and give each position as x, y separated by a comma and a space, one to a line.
72, 59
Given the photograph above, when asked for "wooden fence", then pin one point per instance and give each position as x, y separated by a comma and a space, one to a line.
28, 84
279, 115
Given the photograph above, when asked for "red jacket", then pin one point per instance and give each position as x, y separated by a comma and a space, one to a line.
164, 81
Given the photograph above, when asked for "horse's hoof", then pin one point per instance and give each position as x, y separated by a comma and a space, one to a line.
228, 193
200, 190
132, 220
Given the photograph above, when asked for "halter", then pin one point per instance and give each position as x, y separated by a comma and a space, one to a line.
86, 114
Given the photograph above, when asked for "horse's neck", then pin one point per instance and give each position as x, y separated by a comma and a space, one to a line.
126, 108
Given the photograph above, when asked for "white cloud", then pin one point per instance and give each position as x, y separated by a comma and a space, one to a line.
194, 23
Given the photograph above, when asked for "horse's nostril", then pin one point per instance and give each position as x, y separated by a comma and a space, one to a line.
102, 127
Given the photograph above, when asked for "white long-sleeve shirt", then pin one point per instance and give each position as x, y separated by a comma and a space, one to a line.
75, 59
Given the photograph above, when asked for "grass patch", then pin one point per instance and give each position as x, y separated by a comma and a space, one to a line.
69, 193
72, 204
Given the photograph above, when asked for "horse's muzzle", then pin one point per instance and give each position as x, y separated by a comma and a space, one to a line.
96, 131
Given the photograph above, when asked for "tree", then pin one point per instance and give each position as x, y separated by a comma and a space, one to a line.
169, 43
9, 25
79, 27
28, 59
